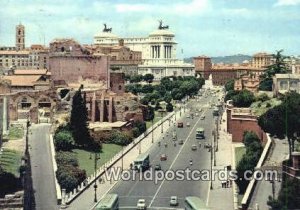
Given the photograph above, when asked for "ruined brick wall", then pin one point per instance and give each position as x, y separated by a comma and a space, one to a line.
73, 68
117, 82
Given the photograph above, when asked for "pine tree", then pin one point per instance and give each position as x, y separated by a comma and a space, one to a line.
79, 120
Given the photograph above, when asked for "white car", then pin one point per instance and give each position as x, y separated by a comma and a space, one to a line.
188, 124
141, 204
173, 201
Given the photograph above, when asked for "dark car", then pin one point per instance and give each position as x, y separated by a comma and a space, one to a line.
157, 167
180, 124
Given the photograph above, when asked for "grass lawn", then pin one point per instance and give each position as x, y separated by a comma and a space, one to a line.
15, 133
10, 160
260, 108
239, 152
157, 117
83, 156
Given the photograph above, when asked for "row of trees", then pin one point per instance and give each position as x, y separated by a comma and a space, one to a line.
175, 88
249, 159
139, 78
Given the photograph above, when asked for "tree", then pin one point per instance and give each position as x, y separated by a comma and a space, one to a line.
249, 159
243, 99
147, 89
148, 78
120, 138
79, 120
66, 158
136, 78
288, 197
262, 97
283, 120
266, 84
250, 137
63, 140
230, 94
176, 94
169, 107
167, 98
150, 113
140, 125
229, 85
279, 67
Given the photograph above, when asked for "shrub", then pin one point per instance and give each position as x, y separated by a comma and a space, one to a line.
66, 158
63, 140
120, 138
268, 105
69, 177
249, 159
262, 97
169, 107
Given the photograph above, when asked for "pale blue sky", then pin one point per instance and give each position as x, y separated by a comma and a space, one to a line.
202, 27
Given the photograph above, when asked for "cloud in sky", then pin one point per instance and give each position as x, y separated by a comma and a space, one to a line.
194, 7
212, 27
287, 2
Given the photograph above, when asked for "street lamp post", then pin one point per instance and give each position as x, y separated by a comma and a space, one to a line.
162, 124
152, 120
95, 182
214, 148
211, 163
152, 140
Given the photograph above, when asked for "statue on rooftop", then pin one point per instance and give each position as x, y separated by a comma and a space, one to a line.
106, 29
161, 27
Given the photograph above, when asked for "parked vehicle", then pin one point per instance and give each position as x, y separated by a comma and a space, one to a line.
141, 204
163, 157
173, 201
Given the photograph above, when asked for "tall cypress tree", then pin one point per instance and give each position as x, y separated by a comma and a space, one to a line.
79, 120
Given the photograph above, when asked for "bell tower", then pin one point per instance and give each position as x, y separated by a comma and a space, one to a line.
20, 37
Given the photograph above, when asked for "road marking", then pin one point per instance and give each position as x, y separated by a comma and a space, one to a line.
175, 160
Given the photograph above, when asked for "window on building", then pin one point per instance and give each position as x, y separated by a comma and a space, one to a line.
120, 87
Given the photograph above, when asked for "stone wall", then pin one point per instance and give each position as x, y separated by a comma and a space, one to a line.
238, 124
75, 68
117, 82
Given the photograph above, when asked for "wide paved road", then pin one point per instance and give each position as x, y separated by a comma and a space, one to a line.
41, 163
158, 195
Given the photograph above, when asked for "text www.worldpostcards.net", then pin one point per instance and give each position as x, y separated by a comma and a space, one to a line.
116, 174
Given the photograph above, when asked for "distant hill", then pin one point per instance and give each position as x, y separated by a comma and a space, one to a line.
225, 59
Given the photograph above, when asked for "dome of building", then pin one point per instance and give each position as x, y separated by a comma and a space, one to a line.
106, 35
161, 32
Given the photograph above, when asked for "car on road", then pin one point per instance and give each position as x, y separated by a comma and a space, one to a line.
194, 147
188, 124
202, 117
197, 114
173, 201
157, 167
174, 136
141, 204
188, 116
180, 124
180, 142
163, 157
